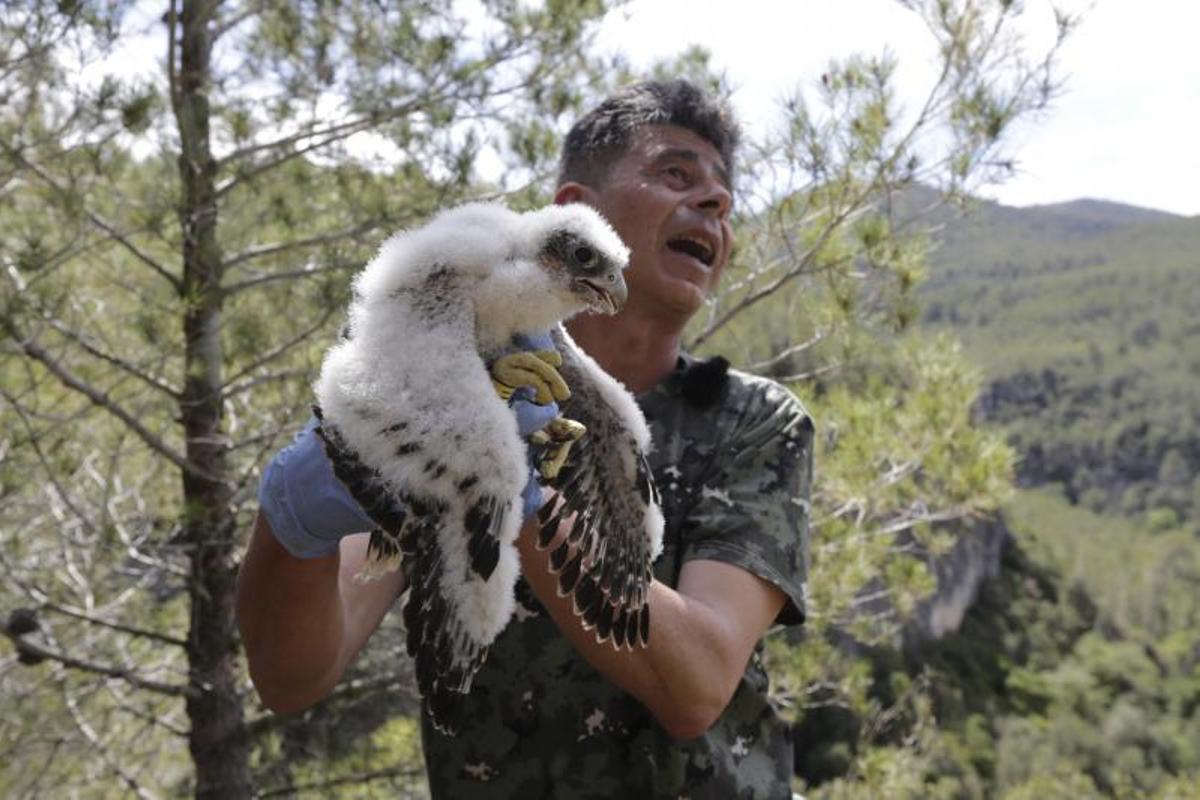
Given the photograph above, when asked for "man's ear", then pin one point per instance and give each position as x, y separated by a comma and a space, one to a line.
572, 192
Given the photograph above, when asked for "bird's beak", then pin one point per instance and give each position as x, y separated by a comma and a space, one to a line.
608, 290
619, 291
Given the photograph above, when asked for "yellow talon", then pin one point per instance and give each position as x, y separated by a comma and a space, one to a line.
558, 436
551, 357
530, 369
566, 430
552, 462
502, 389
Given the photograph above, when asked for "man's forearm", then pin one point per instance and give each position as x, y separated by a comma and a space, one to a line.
292, 623
697, 651
304, 620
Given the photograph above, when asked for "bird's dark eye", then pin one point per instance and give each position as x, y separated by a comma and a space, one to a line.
584, 255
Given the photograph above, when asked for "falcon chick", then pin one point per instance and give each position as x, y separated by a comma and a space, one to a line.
414, 427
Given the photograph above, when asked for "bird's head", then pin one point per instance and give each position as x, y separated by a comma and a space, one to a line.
582, 255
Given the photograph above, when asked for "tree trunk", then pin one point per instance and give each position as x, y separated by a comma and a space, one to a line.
218, 739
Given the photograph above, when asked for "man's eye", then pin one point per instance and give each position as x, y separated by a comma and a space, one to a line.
678, 173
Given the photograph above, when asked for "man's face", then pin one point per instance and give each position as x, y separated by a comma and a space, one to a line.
668, 197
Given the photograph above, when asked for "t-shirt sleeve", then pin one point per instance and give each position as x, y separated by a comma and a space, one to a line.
753, 509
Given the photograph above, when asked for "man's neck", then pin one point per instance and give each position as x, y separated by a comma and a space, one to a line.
639, 352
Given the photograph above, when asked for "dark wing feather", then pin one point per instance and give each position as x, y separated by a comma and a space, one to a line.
606, 484
446, 659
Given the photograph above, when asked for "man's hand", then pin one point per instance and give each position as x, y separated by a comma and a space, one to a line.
309, 509
536, 369
529, 379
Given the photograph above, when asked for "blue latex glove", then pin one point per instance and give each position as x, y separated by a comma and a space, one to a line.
531, 418
309, 509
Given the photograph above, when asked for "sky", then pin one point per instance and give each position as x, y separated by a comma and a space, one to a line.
1127, 128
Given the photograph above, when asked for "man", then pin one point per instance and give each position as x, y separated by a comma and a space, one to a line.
553, 713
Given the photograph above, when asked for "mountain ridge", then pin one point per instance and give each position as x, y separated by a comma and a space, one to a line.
1083, 317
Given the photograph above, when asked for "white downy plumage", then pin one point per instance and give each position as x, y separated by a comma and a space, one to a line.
414, 427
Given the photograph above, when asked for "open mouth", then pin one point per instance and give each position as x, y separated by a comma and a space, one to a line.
602, 299
692, 246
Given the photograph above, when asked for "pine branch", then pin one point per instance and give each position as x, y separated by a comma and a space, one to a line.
94, 740
258, 280
812, 341
270, 356
245, 386
108, 404
34, 653
801, 263
252, 10
353, 126
116, 626
104, 225
812, 373
276, 248
50, 474
116, 361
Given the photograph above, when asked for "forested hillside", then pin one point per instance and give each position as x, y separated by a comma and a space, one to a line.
1083, 316
1074, 673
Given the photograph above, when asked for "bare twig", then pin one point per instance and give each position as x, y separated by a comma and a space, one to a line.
271, 355
90, 735
116, 361
271, 277
116, 626
261, 251
249, 12
812, 341
36, 652
102, 400
245, 386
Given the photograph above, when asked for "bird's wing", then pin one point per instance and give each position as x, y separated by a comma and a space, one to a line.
616, 533
414, 429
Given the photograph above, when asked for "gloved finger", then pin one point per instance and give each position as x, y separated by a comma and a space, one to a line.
525, 393
526, 369
532, 417
537, 340
531, 496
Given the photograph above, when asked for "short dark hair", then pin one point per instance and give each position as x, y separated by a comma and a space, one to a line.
602, 135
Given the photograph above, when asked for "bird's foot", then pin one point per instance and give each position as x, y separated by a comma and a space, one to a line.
556, 440
537, 369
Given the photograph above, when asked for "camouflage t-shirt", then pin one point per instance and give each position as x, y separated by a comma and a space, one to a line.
543, 723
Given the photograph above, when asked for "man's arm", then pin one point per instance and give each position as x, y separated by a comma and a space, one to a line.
701, 637
304, 620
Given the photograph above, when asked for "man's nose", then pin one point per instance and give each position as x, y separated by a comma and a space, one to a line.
714, 198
